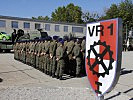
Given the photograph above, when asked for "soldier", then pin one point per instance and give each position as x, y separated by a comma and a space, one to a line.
27, 52
36, 54
83, 55
53, 47
77, 56
70, 46
32, 53
45, 52
19, 52
23, 51
47, 47
34, 62
41, 55
60, 61
15, 50
30, 48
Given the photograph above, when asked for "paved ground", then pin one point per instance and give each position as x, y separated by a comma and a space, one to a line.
22, 82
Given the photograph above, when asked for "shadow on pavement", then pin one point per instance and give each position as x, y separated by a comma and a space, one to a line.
1, 80
119, 93
128, 90
113, 96
124, 71
65, 76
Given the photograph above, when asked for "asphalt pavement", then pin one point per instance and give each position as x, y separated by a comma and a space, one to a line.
19, 81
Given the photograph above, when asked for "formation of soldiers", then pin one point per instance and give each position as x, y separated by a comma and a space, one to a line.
53, 56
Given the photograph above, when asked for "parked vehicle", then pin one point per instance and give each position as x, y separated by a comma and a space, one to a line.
4, 36
6, 45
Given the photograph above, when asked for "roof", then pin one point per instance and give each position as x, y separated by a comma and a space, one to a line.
35, 20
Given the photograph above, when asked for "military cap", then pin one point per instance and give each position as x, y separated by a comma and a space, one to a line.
61, 41
55, 37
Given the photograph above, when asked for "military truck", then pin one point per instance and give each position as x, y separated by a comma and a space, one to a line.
7, 46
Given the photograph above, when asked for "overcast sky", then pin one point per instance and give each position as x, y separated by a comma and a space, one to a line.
29, 8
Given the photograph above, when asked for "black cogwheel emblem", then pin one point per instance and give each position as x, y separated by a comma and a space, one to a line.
99, 58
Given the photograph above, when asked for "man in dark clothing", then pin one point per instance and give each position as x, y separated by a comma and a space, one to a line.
14, 36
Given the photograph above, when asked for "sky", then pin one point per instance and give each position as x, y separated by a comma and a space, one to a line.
30, 8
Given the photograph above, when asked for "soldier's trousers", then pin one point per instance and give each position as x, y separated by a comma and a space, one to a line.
41, 63
47, 63
60, 68
37, 62
24, 55
50, 66
32, 59
44, 63
78, 65
54, 67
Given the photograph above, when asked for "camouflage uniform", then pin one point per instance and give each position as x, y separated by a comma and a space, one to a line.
15, 51
53, 47
24, 52
27, 52
36, 55
47, 61
60, 62
78, 57
70, 46
83, 56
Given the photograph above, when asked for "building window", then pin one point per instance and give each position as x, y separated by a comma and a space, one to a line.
26, 25
65, 28
14, 24
2, 23
37, 26
77, 29
47, 27
57, 28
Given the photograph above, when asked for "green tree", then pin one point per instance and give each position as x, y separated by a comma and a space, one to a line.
70, 13
87, 17
46, 18
123, 10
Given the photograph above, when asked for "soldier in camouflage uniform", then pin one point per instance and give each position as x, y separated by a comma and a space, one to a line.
15, 51
78, 57
27, 52
83, 55
53, 47
41, 55
24, 51
60, 61
38, 47
32, 53
47, 47
36, 53
70, 46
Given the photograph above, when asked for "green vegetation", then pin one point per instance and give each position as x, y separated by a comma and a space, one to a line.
74, 14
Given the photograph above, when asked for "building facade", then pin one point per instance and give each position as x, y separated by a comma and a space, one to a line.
7, 24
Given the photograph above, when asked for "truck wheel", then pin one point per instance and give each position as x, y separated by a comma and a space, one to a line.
1, 50
4, 38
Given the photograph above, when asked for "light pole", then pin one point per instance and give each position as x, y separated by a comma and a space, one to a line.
126, 31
